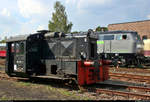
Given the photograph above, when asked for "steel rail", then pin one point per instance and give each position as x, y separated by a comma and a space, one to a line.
130, 76
132, 70
129, 87
121, 93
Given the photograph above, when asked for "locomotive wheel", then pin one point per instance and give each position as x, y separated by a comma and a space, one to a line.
138, 64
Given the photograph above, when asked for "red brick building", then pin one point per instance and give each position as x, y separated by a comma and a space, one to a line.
142, 27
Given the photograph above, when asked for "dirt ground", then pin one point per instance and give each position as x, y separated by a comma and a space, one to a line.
24, 90
11, 90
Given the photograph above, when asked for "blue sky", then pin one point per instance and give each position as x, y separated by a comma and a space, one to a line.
27, 16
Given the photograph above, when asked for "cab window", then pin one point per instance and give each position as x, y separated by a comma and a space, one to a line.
19, 48
106, 37
101, 37
109, 37
122, 37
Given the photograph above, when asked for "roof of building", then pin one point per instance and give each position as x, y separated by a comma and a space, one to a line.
130, 22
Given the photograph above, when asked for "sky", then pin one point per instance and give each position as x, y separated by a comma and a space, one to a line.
19, 17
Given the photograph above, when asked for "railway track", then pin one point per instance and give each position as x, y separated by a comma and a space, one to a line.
131, 70
128, 95
127, 91
130, 88
4, 76
130, 77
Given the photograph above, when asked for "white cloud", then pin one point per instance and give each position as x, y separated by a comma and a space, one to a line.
83, 3
148, 16
29, 8
31, 27
86, 3
83, 6
70, 1
5, 12
40, 27
37, 13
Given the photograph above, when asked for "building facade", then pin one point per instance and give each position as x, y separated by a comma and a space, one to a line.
142, 27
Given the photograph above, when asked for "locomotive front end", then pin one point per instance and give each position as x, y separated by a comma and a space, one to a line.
90, 68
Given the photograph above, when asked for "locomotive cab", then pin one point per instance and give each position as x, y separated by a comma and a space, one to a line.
15, 60
23, 54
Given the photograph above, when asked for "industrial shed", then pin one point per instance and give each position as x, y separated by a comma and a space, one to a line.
142, 27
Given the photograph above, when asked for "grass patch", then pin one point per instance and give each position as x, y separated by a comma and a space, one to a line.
65, 92
68, 93
46, 88
4, 97
16, 98
23, 84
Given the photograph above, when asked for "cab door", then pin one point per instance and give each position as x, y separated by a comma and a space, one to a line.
19, 57
9, 58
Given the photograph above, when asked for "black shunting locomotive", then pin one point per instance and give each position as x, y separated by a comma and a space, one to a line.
56, 55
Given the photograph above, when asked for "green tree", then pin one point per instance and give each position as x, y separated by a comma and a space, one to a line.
101, 29
4, 40
59, 22
98, 28
74, 32
104, 29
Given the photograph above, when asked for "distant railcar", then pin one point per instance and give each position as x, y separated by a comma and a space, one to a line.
125, 47
2, 50
56, 55
147, 50
146, 47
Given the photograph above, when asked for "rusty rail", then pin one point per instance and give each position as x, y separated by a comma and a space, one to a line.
129, 87
124, 94
132, 70
140, 78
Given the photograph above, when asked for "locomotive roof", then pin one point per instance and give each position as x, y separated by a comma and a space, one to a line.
24, 37
115, 32
17, 38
